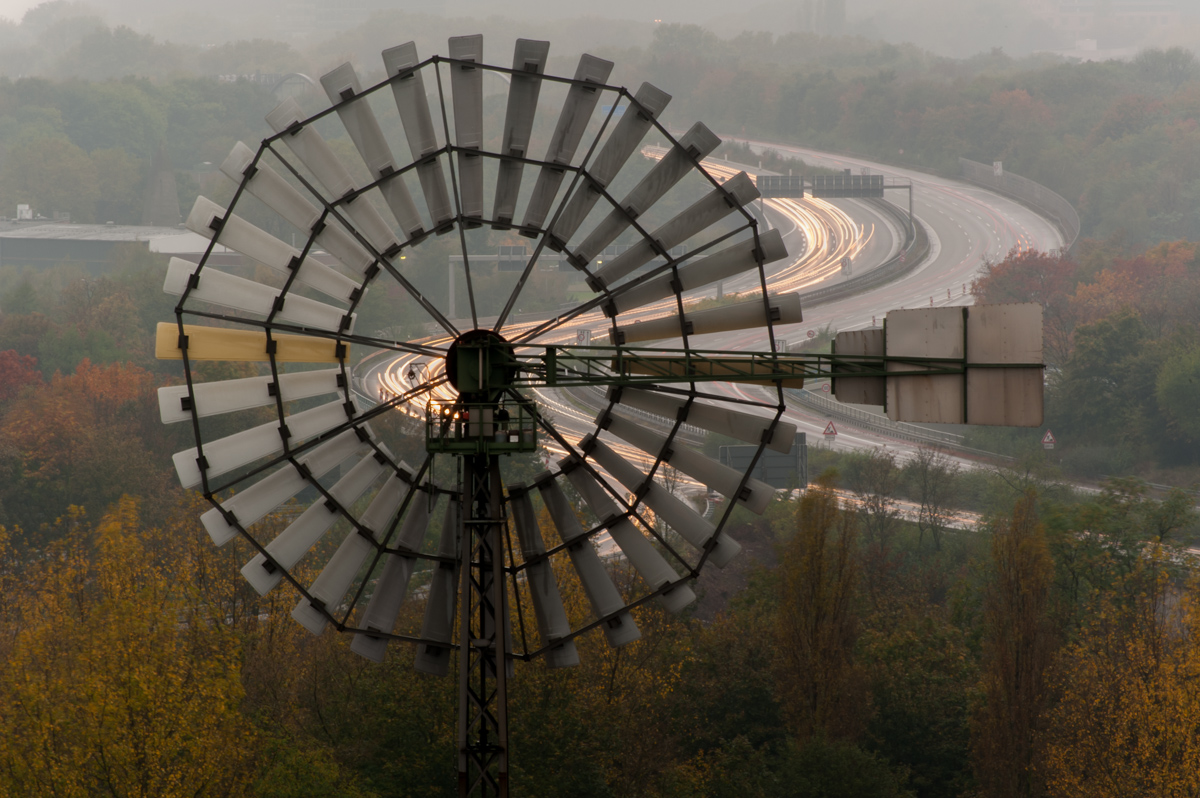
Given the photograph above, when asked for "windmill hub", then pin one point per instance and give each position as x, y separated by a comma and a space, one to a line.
481, 365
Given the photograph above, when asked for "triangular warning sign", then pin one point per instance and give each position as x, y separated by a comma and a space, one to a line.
1049, 438
830, 429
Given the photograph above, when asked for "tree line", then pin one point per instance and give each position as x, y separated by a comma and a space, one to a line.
1048, 650
1123, 355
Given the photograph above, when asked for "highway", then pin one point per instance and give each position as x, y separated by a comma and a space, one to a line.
965, 225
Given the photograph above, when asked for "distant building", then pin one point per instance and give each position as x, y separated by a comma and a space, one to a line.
43, 244
91, 245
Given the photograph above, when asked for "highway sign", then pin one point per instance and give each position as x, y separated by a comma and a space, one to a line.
777, 469
825, 388
812, 334
830, 430
511, 258
833, 186
780, 186
1048, 440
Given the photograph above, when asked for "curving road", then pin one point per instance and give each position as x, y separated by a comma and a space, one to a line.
966, 226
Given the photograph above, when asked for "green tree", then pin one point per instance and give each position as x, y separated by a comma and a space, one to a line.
51, 175
1178, 393
121, 177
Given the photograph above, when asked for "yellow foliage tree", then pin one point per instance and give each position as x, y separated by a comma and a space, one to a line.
119, 681
1128, 718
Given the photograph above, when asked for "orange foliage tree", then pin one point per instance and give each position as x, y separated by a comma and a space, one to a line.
1028, 275
1162, 285
16, 371
82, 439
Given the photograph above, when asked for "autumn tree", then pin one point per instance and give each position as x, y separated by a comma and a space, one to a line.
1028, 275
1125, 720
83, 439
819, 683
1018, 642
16, 371
118, 682
1160, 285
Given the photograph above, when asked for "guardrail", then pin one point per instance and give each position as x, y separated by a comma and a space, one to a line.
834, 407
1027, 192
884, 425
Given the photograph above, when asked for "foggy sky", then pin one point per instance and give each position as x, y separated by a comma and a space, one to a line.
955, 28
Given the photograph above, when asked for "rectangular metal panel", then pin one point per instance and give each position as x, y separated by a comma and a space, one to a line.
859, 390
637, 549
598, 586
249, 505
543, 586
257, 244
1010, 333
294, 542
572, 121
314, 152
440, 606
409, 93
699, 467
225, 454
720, 419
288, 202
238, 293
529, 62
228, 396
384, 606
466, 84
925, 333
693, 528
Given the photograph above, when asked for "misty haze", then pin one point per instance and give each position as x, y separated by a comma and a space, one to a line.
647, 398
